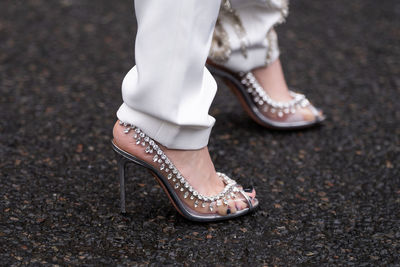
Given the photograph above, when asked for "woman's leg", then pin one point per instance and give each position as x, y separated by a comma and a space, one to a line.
169, 91
250, 40
245, 40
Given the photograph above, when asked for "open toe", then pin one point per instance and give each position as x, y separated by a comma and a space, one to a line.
293, 114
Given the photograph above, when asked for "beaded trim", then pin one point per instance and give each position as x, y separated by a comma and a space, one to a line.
220, 50
237, 25
273, 47
283, 6
262, 99
176, 178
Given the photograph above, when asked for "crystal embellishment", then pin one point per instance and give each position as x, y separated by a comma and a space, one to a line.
179, 182
266, 103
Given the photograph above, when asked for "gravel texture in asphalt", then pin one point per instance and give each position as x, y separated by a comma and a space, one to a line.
329, 195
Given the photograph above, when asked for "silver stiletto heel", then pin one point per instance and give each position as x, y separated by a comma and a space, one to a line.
188, 202
121, 173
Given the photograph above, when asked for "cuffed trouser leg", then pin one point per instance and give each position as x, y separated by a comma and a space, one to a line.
169, 91
244, 37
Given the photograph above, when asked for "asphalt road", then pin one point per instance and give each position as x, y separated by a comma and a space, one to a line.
329, 195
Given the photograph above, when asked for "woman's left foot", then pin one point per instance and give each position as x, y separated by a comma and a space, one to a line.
272, 81
265, 96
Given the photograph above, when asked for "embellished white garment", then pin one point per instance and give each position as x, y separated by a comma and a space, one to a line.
169, 91
244, 36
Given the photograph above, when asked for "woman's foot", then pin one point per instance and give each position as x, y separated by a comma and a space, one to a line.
272, 80
195, 165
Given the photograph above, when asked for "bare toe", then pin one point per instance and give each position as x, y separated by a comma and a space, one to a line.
307, 114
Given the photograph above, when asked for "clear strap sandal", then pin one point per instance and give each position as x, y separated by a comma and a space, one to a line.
187, 201
262, 108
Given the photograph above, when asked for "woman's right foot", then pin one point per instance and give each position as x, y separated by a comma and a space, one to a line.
197, 168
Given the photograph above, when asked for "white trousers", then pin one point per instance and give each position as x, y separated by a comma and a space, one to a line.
169, 92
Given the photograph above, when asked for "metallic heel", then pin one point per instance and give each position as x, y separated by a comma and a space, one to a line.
121, 172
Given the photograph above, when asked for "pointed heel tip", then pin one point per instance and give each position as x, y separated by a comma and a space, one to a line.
248, 190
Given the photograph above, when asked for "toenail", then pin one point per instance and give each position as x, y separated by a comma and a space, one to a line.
249, 190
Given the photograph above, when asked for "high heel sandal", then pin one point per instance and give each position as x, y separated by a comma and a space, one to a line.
260, 106
177, 187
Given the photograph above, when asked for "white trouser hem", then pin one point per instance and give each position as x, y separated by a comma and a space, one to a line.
170, 135
256, 58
